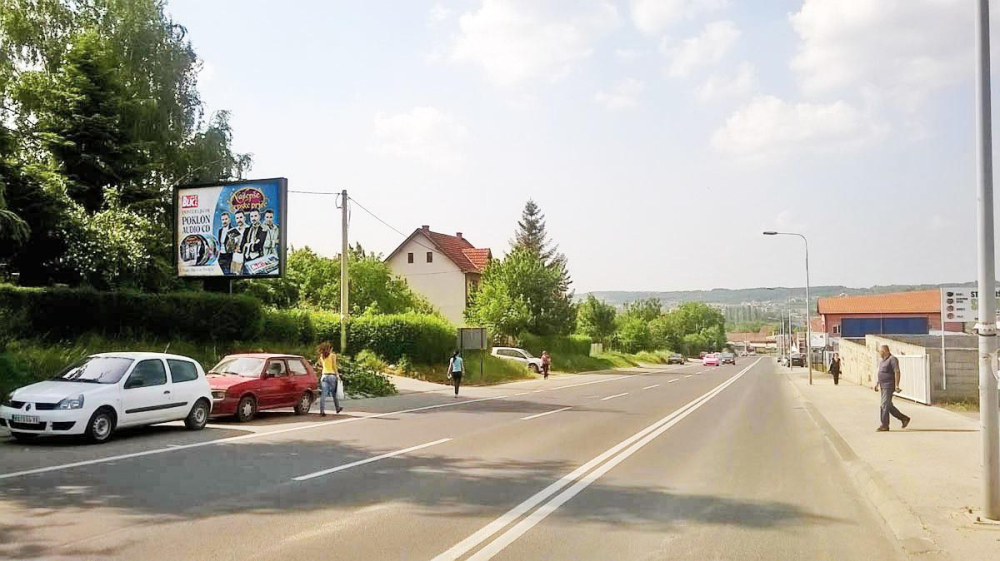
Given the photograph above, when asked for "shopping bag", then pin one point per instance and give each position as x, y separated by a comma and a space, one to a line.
340, 389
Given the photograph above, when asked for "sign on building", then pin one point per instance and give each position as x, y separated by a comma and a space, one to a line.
233, 229
961, 303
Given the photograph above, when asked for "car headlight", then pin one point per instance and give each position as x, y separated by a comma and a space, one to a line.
71, 403
218, 394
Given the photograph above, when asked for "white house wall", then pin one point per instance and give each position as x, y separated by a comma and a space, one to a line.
441, 281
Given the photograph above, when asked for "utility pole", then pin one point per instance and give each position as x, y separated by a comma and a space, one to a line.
343, 273
987, 326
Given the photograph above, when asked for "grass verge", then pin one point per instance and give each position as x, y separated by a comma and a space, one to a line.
493, 371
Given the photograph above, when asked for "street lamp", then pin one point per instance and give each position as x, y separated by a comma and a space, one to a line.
809, 358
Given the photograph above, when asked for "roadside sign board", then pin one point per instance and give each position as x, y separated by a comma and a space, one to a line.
961, 304
472, 339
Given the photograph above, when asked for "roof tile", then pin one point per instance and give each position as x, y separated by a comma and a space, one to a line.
916, 302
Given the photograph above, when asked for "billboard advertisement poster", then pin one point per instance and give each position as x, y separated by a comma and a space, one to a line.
232, 229
961, 303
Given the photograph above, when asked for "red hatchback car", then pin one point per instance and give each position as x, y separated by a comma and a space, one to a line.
244, 384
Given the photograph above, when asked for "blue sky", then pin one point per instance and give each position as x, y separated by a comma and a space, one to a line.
660, 137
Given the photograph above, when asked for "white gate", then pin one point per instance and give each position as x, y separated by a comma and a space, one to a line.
915, 378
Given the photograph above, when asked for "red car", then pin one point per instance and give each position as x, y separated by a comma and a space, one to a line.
244, 384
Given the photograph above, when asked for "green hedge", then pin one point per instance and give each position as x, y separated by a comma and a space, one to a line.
424, 339
60, 313
555, 344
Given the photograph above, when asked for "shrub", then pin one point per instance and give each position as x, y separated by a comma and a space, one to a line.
371, 361
556, 344
361, 381
326, 326
289, 325
404, 364
425, 339
58, 313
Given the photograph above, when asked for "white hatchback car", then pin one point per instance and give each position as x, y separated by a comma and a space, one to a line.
108, 391
520, 355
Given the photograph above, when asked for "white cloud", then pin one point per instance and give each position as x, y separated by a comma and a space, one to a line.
628, 55
770, 127
438, 13
517, 40
719, 87
707, 48
655, 16
424, 134
623, 96
898, 48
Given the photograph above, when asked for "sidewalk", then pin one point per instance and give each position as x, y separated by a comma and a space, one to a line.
924, 480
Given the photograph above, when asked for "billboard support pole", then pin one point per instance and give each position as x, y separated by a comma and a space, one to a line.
344, 288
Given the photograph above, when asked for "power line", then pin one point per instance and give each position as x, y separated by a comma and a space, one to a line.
390, 226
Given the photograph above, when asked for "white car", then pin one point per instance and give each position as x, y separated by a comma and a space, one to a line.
520, 355
108, 391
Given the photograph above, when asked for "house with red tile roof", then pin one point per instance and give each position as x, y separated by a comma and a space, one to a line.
443, 268
894, 313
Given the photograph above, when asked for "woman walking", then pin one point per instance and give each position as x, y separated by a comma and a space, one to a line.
329, 380
546, 362
456, 367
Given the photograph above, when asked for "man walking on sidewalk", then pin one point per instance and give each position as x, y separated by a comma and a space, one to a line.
888, 382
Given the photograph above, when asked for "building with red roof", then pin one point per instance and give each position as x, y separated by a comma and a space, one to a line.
443, 268
896, 313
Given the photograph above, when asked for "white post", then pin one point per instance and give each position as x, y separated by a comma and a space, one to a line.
987, 326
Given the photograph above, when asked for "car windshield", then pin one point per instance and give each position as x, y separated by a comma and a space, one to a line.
239, 366
96, 370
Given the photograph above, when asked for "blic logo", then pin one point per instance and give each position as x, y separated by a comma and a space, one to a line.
189, 201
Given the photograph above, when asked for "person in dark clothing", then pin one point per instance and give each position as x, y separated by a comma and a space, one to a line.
835, 369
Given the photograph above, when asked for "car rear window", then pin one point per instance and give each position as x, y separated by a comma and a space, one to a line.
182, 370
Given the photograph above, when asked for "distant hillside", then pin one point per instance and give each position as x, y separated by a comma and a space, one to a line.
741, 295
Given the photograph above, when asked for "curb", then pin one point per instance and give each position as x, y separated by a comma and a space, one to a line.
906, 526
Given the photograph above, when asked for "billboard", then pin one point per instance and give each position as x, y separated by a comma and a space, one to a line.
961, 303
233, 229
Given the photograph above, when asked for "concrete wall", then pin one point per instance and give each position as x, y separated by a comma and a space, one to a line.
440, 281
860, 362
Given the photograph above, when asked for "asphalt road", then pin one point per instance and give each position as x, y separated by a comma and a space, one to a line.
671, 463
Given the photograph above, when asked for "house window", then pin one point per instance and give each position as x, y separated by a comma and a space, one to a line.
409, 257
836, 329
430, 256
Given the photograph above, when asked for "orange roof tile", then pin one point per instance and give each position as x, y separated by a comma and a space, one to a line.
916, 302
478, 257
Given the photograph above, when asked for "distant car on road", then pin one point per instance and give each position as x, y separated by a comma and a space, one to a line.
798, 359
676, 358
710, 360
244, 384
105, 392
727, 358
519, 355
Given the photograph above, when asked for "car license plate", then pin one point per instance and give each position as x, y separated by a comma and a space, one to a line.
30, 419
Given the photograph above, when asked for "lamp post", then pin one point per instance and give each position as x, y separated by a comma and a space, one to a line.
809, 358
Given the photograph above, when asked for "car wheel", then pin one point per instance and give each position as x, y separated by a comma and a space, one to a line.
23, 436
198, 417
304, 404
101, 426
534, 368
246, 410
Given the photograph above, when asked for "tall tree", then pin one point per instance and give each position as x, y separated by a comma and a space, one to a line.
596, 319
81, 122
532, 237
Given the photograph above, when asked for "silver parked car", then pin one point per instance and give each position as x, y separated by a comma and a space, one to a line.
520, 355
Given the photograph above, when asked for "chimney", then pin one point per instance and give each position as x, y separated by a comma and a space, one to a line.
458, 235
425, 228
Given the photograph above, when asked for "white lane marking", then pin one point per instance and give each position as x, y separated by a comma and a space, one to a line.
369, 460
613, 396
646, 435
702, 372
651, 387
297, 427
544, 414
674, 380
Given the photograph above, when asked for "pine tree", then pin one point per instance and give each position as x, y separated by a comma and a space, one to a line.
532, 237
